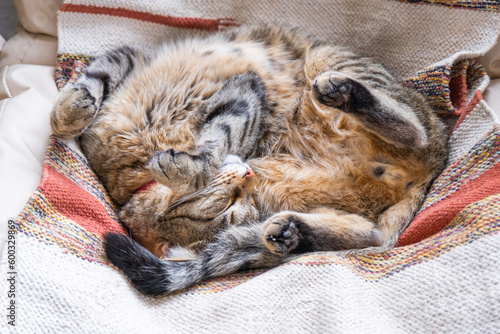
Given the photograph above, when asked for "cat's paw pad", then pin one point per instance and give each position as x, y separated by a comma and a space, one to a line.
281, 233
175, 169
332, 89
73, 112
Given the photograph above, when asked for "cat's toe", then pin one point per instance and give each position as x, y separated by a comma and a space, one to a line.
73, 112
281, 234
331, 89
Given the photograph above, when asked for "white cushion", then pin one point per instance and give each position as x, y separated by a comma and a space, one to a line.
27, 93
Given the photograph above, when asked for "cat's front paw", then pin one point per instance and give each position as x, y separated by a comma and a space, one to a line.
73, 112
281, 233
332, 89
177, 170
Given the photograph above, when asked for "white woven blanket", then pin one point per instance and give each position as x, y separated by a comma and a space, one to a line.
444, 276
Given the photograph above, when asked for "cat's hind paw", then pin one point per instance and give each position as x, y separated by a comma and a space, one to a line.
281, 233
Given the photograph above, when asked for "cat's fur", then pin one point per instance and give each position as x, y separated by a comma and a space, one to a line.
343, 153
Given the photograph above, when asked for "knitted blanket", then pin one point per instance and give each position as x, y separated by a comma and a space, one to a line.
443, 276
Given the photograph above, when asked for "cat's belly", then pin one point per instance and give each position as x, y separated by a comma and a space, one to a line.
355, 190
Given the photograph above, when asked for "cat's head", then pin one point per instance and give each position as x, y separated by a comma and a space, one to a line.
161, 219
227, 200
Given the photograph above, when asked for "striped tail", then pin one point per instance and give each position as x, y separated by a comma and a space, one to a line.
237, 248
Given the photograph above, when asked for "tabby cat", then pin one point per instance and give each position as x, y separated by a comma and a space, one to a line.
246, 147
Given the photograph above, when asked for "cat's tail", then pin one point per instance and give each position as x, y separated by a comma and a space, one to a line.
238, 248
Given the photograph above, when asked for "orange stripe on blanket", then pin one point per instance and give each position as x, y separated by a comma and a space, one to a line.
76, 204
467, 109
437, 217
177, 22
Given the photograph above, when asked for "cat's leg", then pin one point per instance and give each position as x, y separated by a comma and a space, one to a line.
231, 125
78, 103
323, 230
364, 89
380, 114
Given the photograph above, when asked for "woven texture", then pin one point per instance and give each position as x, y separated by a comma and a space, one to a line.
442, 277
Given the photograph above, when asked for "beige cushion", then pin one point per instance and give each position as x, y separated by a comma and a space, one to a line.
492, 96
29, 48
491, 61
38, 16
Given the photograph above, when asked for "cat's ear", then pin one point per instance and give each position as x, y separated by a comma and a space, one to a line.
161, 250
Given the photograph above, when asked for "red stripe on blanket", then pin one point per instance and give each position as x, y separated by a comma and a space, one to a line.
76, 204
465, 111
459, 91
437, 217
177, 22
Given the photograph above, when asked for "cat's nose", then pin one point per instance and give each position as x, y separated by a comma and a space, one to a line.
249, 173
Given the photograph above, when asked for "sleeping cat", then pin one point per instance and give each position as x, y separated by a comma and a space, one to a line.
248, 146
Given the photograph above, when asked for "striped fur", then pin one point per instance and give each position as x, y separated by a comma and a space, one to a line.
343, 153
